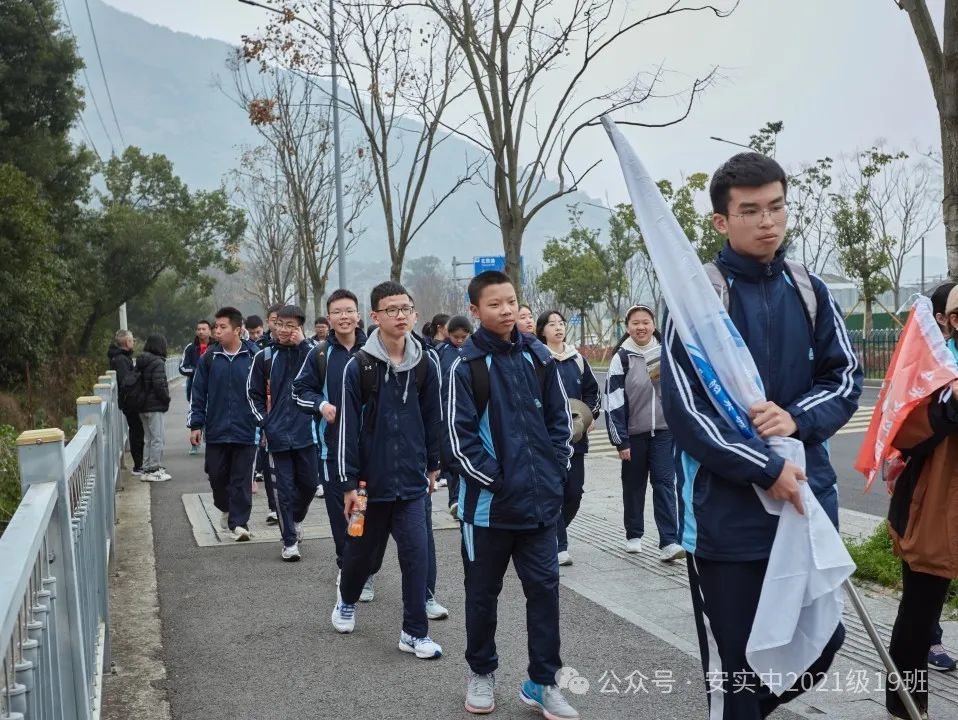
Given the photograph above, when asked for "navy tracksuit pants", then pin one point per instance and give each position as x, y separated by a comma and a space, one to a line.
406, 521
485, 556
295, 478
333, 498
652, 457
262, 466
229, 467
572, 498
725, 597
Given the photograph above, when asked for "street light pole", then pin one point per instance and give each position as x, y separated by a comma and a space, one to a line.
730, 142
922, 264
337, 153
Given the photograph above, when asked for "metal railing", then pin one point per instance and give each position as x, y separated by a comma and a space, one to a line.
173, 367
875, 351
54, 565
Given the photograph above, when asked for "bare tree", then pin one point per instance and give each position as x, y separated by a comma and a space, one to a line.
512, 50
810, 233
295, 123
902, 204
270, 242
401, 73
941, 60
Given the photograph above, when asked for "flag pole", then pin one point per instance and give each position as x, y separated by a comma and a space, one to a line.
907, 700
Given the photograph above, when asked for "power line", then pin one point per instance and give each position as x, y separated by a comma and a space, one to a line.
48, 36
89, 87
99, 58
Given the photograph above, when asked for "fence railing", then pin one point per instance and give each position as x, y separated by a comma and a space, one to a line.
54, 565
875, 351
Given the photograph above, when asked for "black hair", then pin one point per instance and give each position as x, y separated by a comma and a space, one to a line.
439, 320
341, 294
631, 311
483, 280
385, 290
155, 345
458, 322
232, 314
321, 320
939, 297
526, 307
428, 330
205, 322
747, 169
254, 321
543, 320
274, 308
292, 311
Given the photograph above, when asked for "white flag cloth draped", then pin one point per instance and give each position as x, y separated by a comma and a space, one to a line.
801, 601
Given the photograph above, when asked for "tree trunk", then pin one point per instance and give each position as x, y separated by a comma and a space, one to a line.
582, 327
867, 318
949, 157
512, 245
395, 267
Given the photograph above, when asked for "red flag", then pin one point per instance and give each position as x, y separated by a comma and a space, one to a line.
921, 365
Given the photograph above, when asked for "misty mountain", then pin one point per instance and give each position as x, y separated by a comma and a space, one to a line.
167, 101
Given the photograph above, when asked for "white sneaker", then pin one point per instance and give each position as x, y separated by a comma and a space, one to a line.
481, 693
423, 648
155, 476
320, 492
564, 558
291, 553
344, 617
241, 534
671, 553
369, 591
271, 518
225, 520
634, 545
164, 475
454, 510
435, 611
442, 482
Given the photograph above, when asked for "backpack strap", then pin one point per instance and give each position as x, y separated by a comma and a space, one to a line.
802, 280
719, 282
797, 273
320, 359
479, 367
369, 382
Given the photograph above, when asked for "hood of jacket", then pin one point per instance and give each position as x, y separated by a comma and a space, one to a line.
411, 357
568, 351
115, 351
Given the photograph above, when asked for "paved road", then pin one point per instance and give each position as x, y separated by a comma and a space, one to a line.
246, 636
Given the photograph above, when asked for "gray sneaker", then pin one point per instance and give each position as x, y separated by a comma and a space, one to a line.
369, 590
548, 699
481, 693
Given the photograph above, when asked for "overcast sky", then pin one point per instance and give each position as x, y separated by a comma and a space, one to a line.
841, 75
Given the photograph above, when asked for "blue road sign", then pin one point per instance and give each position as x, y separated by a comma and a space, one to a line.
481, 263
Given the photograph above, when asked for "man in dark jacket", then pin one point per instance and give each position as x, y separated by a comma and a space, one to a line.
194, 351
219, 408
512, 447
152, 367
795, 332
389, 436
318, 393
120, 354
290, 435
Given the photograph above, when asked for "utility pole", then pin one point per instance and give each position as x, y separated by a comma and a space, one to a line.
123, 325
337, 153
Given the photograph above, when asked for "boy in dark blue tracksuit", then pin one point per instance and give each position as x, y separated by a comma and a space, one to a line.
218, 407
319, 396
509, 430
290, 435
795, 332
389, 435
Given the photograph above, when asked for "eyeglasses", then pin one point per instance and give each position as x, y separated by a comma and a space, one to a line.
286, 326
344, 313
755, 217
406, 310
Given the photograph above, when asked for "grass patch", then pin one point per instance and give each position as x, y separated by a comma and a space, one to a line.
877, 562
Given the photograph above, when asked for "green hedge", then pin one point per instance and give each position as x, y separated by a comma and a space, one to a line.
9, 475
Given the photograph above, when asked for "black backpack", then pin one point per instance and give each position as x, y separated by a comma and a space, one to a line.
369, 380
480, 380
133, 390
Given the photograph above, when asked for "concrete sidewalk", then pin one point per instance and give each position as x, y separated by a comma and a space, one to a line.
247, 636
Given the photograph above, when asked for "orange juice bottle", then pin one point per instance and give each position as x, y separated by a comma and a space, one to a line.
357, 519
